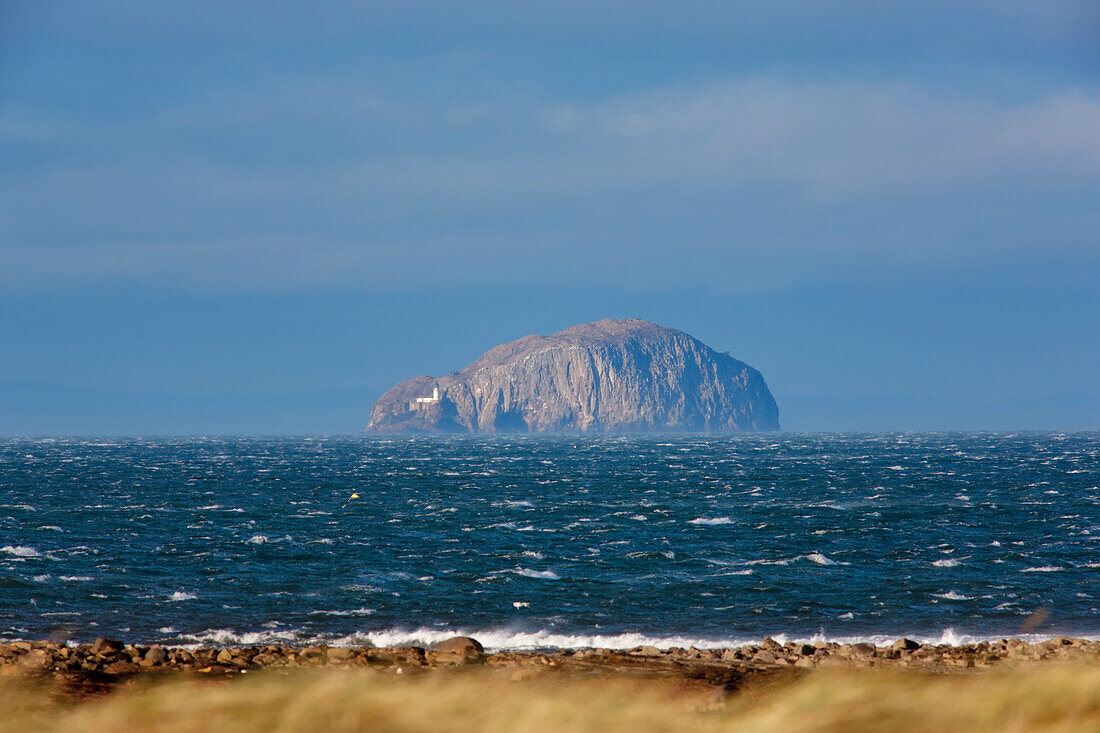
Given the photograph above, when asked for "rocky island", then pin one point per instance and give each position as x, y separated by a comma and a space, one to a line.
614, 375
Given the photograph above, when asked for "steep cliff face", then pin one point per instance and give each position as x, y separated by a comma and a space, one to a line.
611, 375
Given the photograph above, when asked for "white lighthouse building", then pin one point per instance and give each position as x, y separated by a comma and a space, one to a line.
428, 400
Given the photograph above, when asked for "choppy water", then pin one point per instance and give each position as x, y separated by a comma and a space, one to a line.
547, 542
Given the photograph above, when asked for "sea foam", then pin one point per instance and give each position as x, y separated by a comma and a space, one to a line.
540, 574
20, 551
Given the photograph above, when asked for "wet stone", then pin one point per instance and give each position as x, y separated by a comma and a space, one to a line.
103, 644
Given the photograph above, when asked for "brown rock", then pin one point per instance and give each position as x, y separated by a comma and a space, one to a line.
103, 644
36, 659
460, 645
224, 656
121, 668
863, 650
156, 655
905, 645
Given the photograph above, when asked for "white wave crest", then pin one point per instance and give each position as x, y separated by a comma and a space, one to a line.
953, 596
500, 639
20, 551
711, 521
347, 612
181, 596
257, 539
948, 563
817, 557
511, 640
228, 637
1044, 569
540, 574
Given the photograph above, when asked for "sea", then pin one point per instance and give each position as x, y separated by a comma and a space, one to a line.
545, 542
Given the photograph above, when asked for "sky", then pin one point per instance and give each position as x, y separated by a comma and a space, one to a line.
891, 209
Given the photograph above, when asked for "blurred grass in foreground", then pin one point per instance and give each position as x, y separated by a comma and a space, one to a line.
1042, 697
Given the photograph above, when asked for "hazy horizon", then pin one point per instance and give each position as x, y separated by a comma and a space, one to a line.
890, 211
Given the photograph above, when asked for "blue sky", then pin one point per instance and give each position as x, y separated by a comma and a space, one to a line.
864, 200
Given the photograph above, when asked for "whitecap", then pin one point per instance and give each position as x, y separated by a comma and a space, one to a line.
1044, 569
711, 521
953, 596
182, 596
540, 574
257, 539
511, 640
784, 561
948, 563
20, 551
228, 637
820, 559
75, 578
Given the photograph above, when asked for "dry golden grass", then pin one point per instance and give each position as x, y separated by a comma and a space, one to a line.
1046, 698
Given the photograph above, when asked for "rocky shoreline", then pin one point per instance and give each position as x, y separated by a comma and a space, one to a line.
99, 666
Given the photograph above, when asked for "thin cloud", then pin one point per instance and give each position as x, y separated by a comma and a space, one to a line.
377, 189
